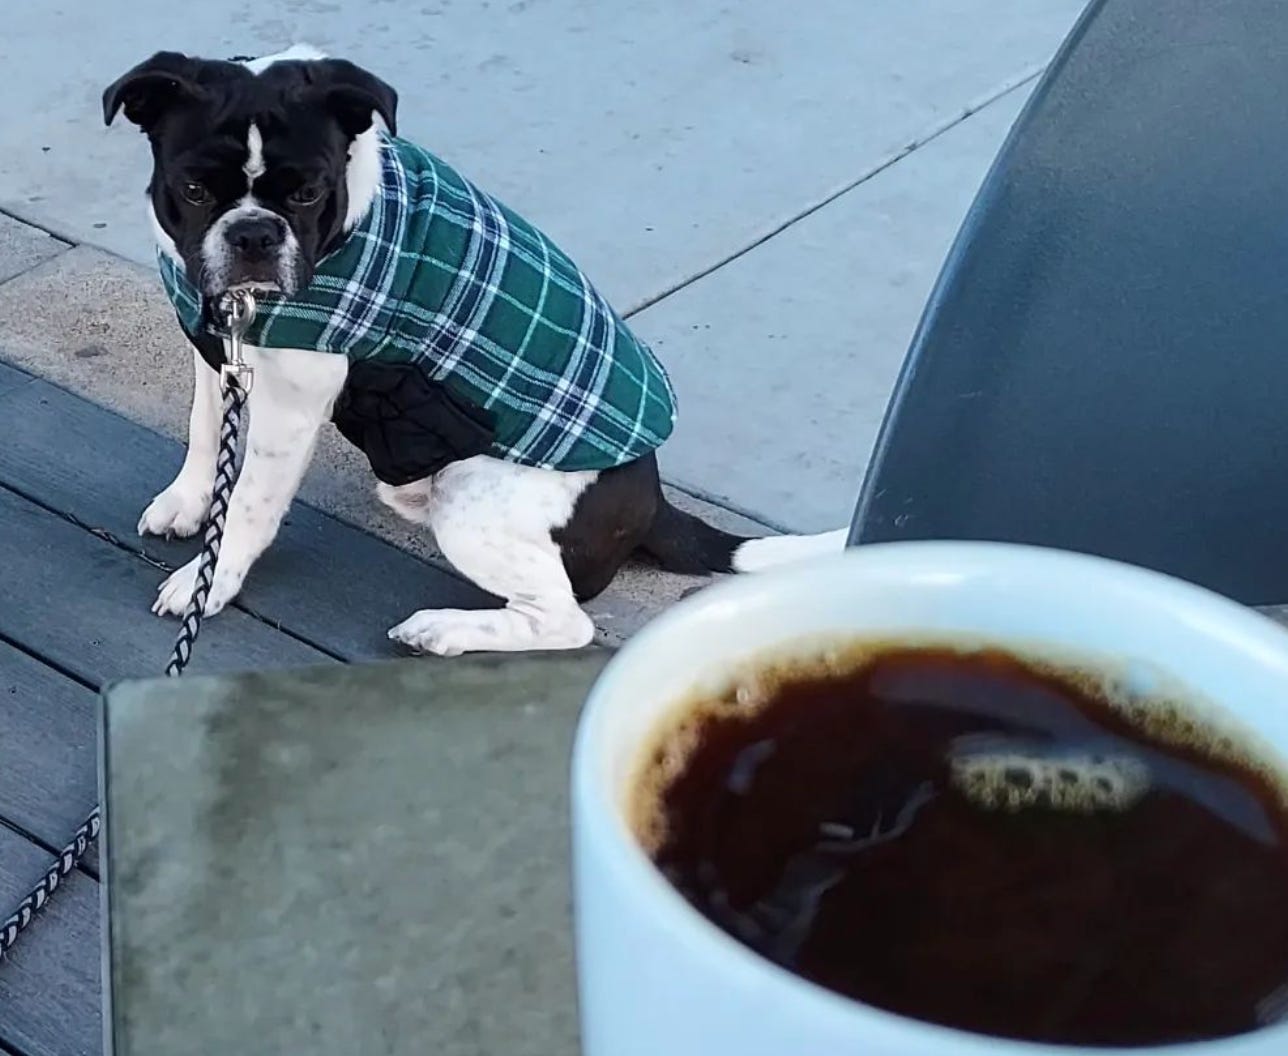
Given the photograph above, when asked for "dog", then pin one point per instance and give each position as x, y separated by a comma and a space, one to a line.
268, 173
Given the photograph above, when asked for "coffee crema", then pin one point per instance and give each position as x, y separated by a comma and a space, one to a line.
976, 839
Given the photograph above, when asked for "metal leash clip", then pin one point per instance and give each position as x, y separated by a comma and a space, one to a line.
238, 307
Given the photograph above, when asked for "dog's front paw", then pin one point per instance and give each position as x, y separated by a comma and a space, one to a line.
177, 511
174, 594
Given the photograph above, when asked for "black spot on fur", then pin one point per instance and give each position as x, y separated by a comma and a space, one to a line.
624, 511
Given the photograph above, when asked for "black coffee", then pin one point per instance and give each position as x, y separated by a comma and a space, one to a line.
976, 840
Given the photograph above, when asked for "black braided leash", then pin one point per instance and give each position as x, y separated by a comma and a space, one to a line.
189, 628
35, 901
225, 478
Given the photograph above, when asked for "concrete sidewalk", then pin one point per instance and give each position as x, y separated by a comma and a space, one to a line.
769, 190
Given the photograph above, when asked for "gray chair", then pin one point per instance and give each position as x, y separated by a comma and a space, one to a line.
1103, 365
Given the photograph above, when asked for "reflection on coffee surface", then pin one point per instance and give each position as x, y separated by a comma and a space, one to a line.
983, 841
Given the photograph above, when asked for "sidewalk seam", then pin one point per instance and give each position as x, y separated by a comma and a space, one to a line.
66, 247
994, 95
52, 232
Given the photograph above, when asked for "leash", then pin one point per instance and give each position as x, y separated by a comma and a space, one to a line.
235, 378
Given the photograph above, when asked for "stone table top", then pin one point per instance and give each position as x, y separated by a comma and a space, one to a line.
370, 859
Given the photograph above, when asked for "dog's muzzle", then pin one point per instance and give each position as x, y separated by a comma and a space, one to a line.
255, 250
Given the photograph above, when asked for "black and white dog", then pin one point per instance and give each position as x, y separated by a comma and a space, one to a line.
541, 539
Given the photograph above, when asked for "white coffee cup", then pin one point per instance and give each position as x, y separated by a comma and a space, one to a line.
656, 978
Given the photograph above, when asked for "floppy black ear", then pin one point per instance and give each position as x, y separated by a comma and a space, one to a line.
147, 90
352, 94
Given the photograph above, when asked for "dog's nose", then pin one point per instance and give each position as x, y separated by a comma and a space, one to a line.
256, 237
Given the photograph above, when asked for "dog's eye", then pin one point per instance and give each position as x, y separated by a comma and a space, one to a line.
306, 195
195, 193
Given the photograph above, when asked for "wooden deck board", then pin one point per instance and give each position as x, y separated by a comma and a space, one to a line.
50, 732
12, 378
82, 604
49, 981
330, 583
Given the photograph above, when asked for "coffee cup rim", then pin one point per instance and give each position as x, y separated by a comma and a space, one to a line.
600, 818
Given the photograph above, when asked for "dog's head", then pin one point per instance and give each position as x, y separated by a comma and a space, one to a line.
259, 169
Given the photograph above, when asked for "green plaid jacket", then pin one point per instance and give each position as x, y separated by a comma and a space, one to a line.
442, 275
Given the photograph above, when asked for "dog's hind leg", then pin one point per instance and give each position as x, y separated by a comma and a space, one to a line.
180, 509
540, 611
493, 522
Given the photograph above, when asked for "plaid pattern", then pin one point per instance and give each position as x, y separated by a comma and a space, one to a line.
442, 275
